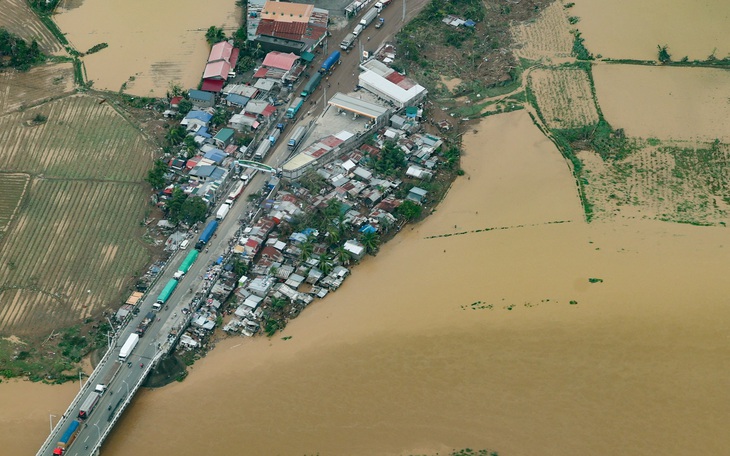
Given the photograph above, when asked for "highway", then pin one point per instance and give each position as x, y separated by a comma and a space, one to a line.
154, 344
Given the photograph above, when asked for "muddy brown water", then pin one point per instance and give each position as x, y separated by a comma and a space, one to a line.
631, 29
472, 341
152, 42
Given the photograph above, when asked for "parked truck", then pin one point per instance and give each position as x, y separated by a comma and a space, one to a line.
369, 17
330, 62
237, 190
207, 234
262, 150
380, 23
128, 346
165, 295
311, 85
247, 175
222, 211
146, 323
88, 406
296, 137
67, 438
358, 30
186, 264
294, 107
348, 41
274, 136
101, 387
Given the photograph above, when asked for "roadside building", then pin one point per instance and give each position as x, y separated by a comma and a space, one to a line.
224, 137
201, 99
291, 27
386, 83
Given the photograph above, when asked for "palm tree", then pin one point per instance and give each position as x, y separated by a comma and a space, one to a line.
307, 248
343, 255
325, 264
278, 304
371, 242
220, 116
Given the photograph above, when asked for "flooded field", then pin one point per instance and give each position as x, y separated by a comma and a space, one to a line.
491, 339
665, 102
150, 43
627, 29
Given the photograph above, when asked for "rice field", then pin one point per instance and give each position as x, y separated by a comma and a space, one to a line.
82, 138
75, 244
19, 90
564, 97
12, 189
17, 17
547, 37
73, 248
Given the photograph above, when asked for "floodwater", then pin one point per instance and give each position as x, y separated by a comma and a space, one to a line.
472, 341
150, 43
632, 29
665, 102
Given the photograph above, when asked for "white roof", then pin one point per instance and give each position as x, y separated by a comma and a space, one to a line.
394, 91
358, 106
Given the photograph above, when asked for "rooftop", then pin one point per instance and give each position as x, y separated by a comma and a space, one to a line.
286, 12
358, 106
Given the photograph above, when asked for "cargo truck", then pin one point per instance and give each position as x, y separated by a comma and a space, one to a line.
358, 30
67, 438
88, 406
369, 17
348, 41
296, 137
128, 346
207, 234
262, 150
165, 294
101, 387
312, 84
274, 136
330, 62
247, 175
146, 323
237, 190
295, 106
186, 264
222, 211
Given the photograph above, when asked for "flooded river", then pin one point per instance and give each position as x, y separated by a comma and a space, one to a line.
150, 43
472, 340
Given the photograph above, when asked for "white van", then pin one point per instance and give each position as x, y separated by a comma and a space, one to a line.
184, 244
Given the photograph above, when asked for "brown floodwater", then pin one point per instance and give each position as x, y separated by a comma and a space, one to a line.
632, 29
153, 43
665, 102
472, 340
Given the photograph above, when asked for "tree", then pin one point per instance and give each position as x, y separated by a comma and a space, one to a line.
325, 264
175, 204
176, 134
342, 255
214, 35
409, 210
156, 176
278, 304
391, 160
240, 268
193, 210
664, 55
371, 241
190, 145
220, 117
307, 248
184, 107
174, 90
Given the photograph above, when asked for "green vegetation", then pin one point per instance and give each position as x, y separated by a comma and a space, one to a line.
97, 48
156, 175
16, 53
595, 280
214, 35
187, 209
663, 54
579, 50
391, 160
409, 210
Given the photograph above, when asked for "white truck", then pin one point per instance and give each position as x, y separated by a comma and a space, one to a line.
369, 17
101, 387
128, 347
222, 211
358, 29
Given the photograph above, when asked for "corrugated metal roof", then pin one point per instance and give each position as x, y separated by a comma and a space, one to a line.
217, 70
220, 51
212, 85
280, 60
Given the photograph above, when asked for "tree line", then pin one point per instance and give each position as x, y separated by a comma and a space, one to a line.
16, 53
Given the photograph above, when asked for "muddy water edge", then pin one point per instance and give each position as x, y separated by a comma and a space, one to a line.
150, 43
490, 339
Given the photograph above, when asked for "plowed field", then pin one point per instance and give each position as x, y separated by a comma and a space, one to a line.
17, 17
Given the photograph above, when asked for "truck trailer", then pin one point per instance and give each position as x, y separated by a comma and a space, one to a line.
128, 346
312, 84
330, 62
237, 190
165, 294
262, 150
348, 41
222, 211
294, 107
296, 137
88, 406
146, 323
101, 387
369, 17
68, 437
187, 264
207, 234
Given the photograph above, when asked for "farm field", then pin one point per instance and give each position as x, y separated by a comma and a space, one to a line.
547, 37
75, 242
69, 254
18, 90
564, 97
82, 138
12, 189
665, 102
17, 17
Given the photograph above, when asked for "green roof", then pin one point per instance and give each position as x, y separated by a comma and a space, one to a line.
225, 134
307, 56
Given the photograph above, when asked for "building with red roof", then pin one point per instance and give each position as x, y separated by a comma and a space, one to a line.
291, 27
221, 61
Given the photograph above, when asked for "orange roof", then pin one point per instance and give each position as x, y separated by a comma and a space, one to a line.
286, 12
275, 59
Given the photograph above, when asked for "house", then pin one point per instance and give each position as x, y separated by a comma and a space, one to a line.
216, 156
204, 173
196, 119
234, 99
201, 99
241, 122
221, 61
356, 250
417, 194
224, 137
